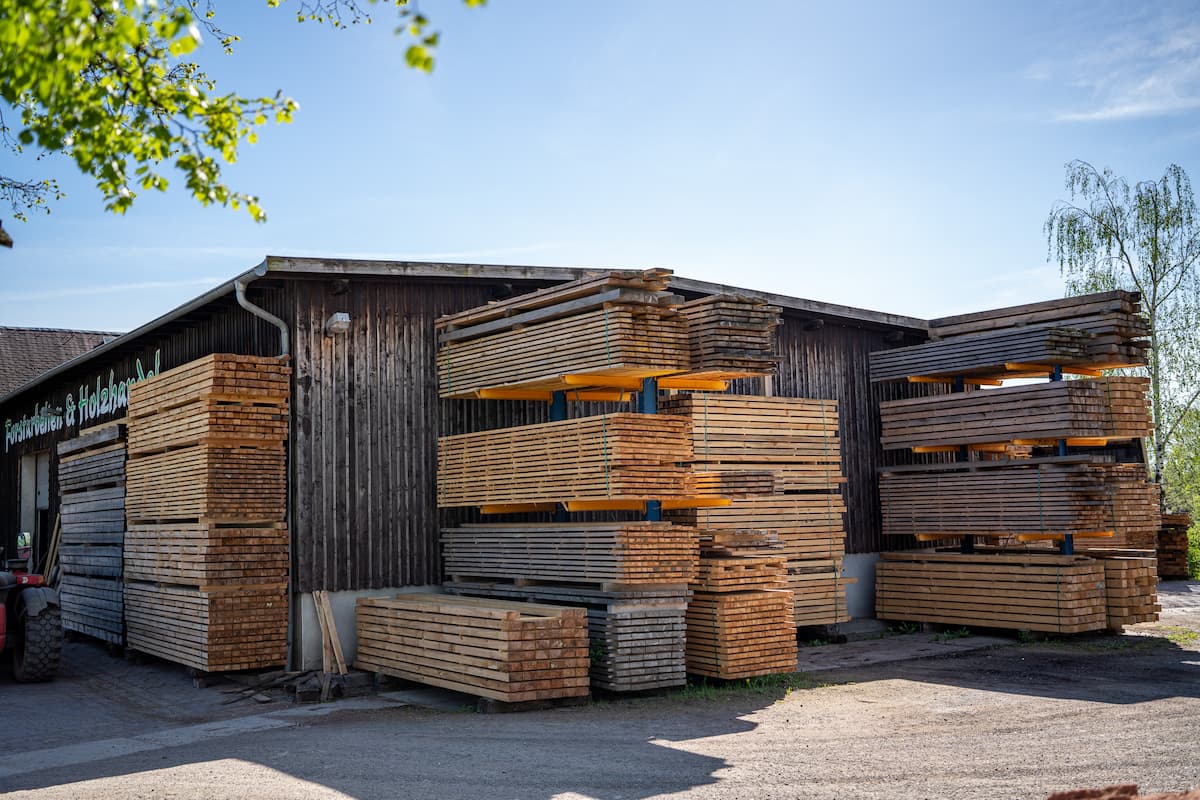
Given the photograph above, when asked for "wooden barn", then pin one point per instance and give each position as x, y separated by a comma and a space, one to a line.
365, 414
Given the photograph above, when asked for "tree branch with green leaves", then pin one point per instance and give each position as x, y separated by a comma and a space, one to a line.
111, 84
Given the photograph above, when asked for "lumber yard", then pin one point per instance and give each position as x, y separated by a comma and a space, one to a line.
530, 483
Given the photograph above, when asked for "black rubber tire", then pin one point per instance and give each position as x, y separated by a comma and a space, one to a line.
35, 659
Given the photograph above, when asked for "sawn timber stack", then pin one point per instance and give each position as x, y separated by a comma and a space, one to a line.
1076, 495
1025, 591
796, 439
511, 652
623, 553
91, 480
636, 634
206, 553
1113, 408
619, 456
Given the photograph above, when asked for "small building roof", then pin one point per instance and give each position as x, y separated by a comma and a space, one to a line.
26, 353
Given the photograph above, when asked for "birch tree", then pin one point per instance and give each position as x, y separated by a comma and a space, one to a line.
1145, 238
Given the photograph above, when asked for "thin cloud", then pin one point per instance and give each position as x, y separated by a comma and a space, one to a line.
82, 291
1149, 70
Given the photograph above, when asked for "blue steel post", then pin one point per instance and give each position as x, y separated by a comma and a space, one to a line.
648, 404
558, 412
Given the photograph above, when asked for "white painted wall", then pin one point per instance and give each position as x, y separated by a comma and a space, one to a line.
306, 632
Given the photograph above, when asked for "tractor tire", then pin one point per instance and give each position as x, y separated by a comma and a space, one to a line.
35, 658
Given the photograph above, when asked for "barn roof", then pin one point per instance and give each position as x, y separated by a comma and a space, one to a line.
298, 267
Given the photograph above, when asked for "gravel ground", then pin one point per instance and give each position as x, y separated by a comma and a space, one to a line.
1013, 721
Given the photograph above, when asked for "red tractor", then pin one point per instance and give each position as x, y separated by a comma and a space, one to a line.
30, 622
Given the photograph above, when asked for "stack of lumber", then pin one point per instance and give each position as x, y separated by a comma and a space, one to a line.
1025, 591
624, 553
224, 629
982, 354
1099, 331
636, 635
1131, 586
1119, 331
731, 336
1071, 495
746, 483
1173, 547
91, 480
740, 619
809, 526
733, 573
741, 634
797, 440
610, 342
511, 652
1099, 408
619, 324
619, 456
206, 549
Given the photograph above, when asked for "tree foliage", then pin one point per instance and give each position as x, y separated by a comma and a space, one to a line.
113, 85
1144, 238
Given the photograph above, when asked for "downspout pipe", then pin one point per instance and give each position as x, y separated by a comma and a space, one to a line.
239, 287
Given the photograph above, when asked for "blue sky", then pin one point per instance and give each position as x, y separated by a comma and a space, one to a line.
894, 156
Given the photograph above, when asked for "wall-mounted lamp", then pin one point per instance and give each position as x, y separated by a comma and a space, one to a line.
337, 324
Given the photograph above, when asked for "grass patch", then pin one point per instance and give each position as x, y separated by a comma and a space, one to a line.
951, 635
902, 628
1184, 637
782, 684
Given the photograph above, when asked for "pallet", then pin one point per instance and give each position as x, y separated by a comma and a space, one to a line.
608, 457
741, 634
636, 636
1021, 591
1008, 499
510, 652
1102, 409
628, 553
216, 630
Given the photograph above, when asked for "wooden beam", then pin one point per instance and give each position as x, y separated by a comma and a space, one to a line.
580, 395
517, 508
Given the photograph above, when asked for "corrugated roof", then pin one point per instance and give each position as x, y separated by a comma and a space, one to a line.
26, 353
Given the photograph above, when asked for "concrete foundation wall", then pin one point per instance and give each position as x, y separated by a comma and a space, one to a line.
860, 596
306, 633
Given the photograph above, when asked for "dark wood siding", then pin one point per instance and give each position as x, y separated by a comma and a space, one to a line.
365, 427
220, 327
830, 361
366, 417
